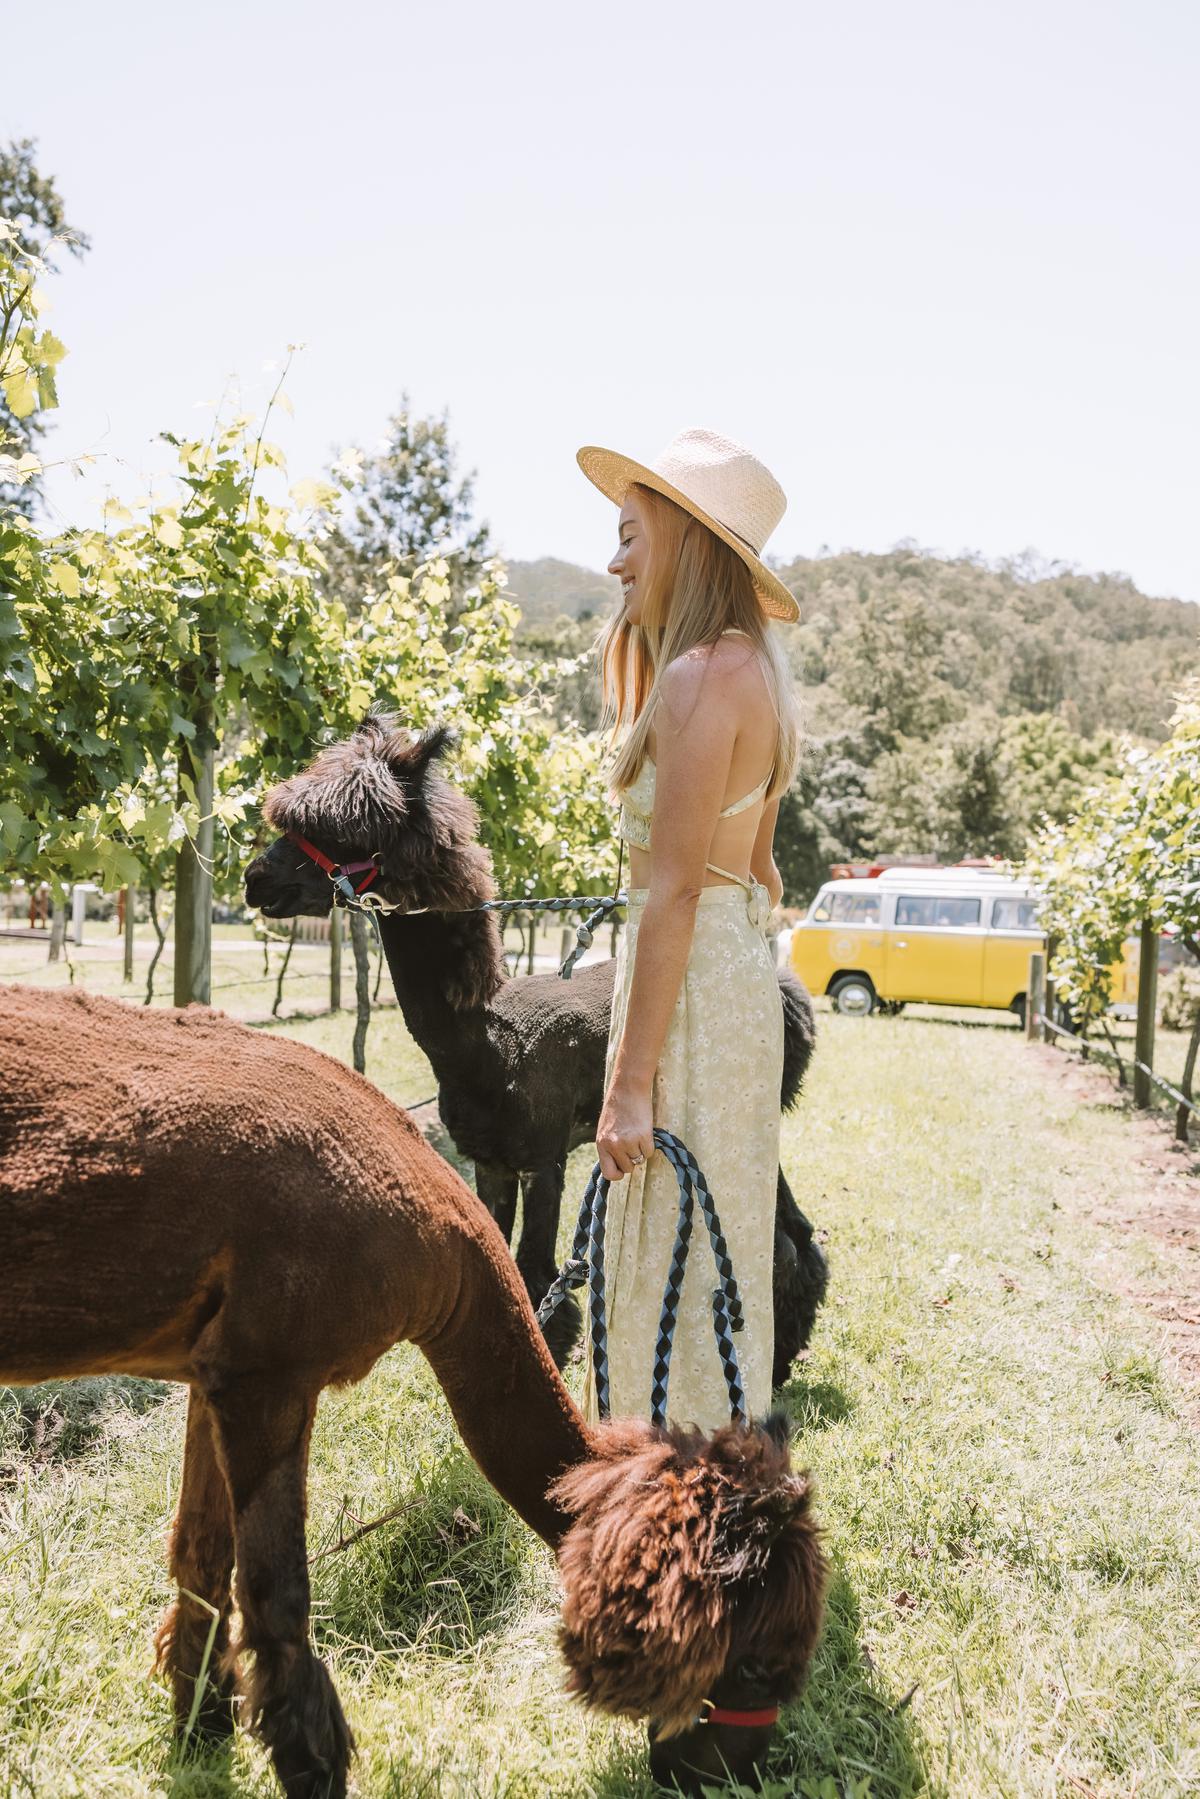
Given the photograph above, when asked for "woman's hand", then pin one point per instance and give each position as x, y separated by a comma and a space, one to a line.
625, 1133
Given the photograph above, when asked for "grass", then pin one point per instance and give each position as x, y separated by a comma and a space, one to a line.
1010, 1492
241, 985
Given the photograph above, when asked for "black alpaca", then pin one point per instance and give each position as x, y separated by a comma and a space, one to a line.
519, 1061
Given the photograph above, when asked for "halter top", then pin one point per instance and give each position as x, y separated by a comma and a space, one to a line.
637, 803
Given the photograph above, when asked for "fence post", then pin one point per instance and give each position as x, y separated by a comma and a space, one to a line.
1048, 1010
335, 960
130, 902
1035, 996
193, 876
1147, 1010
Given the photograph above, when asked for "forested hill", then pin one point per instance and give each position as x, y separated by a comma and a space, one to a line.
1091, 649
950, 705
549, 589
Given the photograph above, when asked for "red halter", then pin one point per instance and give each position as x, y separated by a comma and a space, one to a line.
338, 872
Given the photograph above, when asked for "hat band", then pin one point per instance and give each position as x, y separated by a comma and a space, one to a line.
744, 541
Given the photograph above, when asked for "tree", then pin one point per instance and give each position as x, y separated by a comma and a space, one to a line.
1130, 855
1053, 766
952, 797
33, 207
407, 505
823, 816
890, 666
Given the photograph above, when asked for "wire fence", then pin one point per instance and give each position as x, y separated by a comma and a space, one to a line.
1090, 1048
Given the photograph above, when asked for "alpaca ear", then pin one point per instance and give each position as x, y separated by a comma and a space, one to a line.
751, 1524
437, 741
415, 760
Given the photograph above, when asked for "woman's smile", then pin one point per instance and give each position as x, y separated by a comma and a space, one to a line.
629, 561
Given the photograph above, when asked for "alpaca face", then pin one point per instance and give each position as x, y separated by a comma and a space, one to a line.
285, 883
375, 795
693, 1578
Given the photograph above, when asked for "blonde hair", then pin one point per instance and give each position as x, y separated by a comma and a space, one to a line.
696, 587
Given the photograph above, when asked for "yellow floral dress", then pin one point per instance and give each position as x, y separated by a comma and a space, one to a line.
717, 1088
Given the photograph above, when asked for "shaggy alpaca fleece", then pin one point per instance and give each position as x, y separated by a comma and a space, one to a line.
686, 1551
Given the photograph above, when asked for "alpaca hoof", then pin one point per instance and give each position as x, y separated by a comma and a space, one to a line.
563, 1331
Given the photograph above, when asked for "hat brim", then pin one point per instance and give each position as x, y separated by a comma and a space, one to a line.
614, 474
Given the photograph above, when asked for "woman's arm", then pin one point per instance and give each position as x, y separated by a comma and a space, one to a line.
762, 856
693, 750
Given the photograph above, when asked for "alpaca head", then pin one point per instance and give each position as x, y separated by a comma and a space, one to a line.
692, 1573
378, 795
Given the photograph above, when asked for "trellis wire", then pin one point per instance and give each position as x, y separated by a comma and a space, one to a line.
1111, 1056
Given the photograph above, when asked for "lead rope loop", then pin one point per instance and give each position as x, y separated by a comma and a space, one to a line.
586, 1264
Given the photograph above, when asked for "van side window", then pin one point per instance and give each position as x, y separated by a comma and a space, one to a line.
1015, 915
949, 911
854, 908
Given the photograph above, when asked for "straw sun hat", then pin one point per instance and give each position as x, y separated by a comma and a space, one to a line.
719, 482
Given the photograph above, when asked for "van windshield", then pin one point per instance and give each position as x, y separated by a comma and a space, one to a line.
846, 908
944, 911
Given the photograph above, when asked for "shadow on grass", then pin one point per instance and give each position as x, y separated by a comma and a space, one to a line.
59, 1420
813, 1405
443, 1575
845, 1724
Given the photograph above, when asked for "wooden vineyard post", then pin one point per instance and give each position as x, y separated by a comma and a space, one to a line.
1048, 1010
130, 902
193, 878
335, 960
1035, 996
1147, 1010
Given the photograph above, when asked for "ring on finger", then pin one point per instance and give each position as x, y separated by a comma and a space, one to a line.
639, 1158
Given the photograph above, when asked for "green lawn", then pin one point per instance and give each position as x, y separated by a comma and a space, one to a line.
1010, 1490
244, 971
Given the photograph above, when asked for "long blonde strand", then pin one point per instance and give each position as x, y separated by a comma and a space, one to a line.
697, 588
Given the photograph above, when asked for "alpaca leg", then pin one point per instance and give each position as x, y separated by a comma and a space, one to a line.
800, 1277
191, 1642
496, 1186
536, 1254
263, 1430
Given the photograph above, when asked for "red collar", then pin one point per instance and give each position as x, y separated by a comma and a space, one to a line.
724, 1714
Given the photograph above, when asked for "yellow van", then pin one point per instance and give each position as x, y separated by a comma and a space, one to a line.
946, 936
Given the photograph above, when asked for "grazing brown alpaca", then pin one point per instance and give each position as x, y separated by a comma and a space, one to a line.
189, 1200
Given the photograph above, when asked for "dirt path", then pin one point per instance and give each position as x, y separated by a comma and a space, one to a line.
1162, 1202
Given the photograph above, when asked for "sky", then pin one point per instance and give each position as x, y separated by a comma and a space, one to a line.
937, 264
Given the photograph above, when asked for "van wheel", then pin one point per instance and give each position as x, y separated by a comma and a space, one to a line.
1018, 1006
853, 996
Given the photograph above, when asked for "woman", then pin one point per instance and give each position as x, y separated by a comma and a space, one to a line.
699, 692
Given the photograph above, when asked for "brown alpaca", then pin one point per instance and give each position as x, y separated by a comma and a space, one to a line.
189, 1200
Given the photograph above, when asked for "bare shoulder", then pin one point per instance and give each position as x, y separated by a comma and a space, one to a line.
725, 678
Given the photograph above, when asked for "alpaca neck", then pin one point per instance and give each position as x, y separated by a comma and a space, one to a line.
508, 1399
445, 968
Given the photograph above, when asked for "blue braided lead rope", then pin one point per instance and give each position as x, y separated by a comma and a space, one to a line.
585, 1264
726, 1300
584, 932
